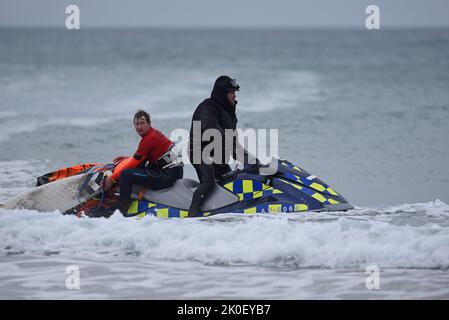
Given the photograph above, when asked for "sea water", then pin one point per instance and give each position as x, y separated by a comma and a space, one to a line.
365, 111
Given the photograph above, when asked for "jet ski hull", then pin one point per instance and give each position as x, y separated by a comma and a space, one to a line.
291, 189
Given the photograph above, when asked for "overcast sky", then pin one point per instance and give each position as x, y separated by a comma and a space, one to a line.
226, 13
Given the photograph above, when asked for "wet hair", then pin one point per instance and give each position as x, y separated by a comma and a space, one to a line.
142, 114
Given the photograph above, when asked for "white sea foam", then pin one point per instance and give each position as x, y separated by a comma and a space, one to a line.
18, 176
17, 125
285, 90
343, 242
14, 126
7, 114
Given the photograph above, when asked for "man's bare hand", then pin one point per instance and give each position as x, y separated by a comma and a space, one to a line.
108, 183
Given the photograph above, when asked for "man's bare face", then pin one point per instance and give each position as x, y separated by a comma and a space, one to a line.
142, 126
231, 96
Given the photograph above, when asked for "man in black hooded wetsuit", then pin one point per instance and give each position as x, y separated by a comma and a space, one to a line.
216, 112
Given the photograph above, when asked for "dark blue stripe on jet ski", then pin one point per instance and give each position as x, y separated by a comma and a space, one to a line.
238, 186
173, 213
142, 206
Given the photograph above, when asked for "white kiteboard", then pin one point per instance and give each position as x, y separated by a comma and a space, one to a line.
60, 195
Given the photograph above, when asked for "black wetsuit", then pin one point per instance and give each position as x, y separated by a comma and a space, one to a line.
151, 177
152, 147
213, 113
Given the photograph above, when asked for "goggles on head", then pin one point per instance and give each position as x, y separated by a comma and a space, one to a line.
233, 85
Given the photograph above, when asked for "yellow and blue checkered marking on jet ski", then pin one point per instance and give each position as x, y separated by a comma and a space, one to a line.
245, 189
316, 195
250, 189
140, 208
291, 166
311, 184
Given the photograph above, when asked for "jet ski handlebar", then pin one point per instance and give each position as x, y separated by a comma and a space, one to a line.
249, 168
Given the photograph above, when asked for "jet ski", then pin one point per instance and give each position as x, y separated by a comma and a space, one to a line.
289, 189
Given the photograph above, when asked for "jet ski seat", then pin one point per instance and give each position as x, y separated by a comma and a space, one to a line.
189, 183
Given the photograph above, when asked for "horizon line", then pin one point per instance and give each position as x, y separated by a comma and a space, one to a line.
230, 28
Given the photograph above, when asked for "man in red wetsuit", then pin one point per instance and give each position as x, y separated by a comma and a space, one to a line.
156, 149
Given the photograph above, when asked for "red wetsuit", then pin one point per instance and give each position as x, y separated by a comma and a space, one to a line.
152, 146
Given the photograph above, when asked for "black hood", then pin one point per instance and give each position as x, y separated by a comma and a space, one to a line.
221, 87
